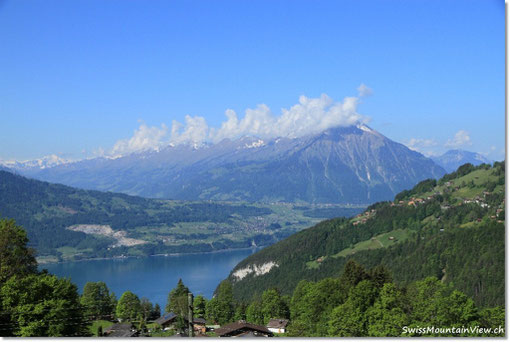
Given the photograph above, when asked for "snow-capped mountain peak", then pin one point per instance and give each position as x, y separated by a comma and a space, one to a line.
49, 161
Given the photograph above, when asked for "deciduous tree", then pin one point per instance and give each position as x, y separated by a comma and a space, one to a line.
15, 257
43, 305
128, 307
96, 300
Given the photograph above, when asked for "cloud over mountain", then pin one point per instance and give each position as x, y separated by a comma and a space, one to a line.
308, 116
144, 137
460, 139
432, 147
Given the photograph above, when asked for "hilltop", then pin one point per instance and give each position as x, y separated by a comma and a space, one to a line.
452, 229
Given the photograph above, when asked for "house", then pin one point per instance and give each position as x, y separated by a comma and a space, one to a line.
278, 326
199, 325
121, 330
167, 321
243, 329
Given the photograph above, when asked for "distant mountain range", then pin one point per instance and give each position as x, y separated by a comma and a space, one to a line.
452, 159
353, 164
35, 164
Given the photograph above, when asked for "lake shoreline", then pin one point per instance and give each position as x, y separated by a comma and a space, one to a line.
154, 277
40, 263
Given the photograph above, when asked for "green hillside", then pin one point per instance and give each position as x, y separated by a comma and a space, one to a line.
452, 229
65, 223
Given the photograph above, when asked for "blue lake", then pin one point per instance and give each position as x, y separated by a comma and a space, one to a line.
154, 277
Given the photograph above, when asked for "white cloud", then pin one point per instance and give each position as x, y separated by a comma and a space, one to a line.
460, 139
195, 131
144, 137
308, 116
425, 146
416, 144
363, 90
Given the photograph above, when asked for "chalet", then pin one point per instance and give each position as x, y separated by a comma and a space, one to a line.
243, 329
278, 326
167, 321
121, 330
199, 326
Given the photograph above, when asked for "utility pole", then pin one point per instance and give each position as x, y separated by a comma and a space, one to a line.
190, 315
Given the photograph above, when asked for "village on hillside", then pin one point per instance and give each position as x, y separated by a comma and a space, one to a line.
170, 325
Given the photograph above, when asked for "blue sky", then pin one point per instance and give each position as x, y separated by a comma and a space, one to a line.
81, 77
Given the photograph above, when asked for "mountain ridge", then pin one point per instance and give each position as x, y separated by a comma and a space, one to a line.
452, 159
353, 164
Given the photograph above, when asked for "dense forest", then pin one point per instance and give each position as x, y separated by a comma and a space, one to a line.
452, 229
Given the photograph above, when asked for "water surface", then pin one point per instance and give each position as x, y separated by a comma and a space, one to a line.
154, 277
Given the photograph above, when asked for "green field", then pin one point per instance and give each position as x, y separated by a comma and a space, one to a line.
100, 323
379, 241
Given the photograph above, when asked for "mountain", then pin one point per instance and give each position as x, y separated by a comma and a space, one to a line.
340, 165
36, 164
452, 159
65, 223
452, 229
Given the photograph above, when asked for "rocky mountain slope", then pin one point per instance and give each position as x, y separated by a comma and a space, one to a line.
341, 165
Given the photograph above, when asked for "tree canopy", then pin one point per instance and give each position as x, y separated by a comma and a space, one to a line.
15, 257
129, 306
43, 305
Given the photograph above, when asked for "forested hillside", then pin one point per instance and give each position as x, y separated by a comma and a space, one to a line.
68, 223
452, 229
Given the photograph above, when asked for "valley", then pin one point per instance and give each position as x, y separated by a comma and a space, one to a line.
65, 223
